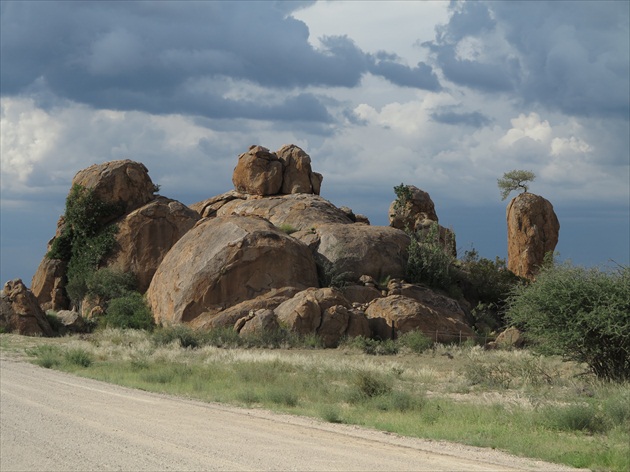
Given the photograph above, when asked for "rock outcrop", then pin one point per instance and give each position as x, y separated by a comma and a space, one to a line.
298, 177
353, 250
145, 236
20, 311
533, 230
125, 184
258, 172
417, 214
224, 261
48, 284
396, 314
287, 171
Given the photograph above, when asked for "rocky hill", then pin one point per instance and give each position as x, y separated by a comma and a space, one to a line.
269, 253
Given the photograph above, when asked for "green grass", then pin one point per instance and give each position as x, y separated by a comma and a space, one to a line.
514, 401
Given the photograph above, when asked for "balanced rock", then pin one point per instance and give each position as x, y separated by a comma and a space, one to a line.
20, 311
145, 236
223, 261
258, 172
125, 184
394, 315
298, 176
533, 230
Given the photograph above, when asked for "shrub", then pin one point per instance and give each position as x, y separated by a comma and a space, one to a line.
430, 261
79, 357
371, 385
581, 314
129, 312
46, 355
415, 341
107, 284
374, 347
184, 335
84, 240
287, 228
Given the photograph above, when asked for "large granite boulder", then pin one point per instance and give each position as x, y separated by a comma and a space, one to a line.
394, 315
125, 184
20, 311
298, 176
353, 250
533, 230
444, 305
299, 211
145, 236
224, 261
258, 172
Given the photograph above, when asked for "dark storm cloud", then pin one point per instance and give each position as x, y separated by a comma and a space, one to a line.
474, 119
421, 76
152, 56
572, 56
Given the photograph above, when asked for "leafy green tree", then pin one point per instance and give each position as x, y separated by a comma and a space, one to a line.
581, 314
514, 180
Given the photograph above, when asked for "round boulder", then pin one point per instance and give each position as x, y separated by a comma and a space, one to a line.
223, 261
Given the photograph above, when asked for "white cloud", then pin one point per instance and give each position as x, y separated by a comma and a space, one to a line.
527, 126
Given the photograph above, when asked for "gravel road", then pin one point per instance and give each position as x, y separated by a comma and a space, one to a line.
52, 421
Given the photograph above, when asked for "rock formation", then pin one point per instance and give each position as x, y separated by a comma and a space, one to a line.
533, 230
145, 236
20, 311
125, 184
287, 171
259, 257
417, 214
223, 261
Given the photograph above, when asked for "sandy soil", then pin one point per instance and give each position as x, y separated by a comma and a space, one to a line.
52, 421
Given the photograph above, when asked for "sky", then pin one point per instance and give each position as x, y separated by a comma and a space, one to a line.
446, 96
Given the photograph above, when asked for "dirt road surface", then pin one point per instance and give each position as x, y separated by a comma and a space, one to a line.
52, 421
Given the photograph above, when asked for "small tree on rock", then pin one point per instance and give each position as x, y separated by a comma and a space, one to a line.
514, 180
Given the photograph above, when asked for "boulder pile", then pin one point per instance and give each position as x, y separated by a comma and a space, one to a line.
270, 253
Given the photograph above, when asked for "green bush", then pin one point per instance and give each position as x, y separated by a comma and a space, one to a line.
415, 341
430, 261
107, 284
129, 312
85, 239
581, 314
183, 334
370, 385
374, 347
79, 357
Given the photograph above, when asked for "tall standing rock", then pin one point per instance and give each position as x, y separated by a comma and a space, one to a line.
533, 229
298, 177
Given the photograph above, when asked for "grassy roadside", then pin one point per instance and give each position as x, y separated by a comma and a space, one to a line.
510, 400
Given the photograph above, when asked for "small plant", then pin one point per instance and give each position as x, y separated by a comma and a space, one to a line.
514, 180
403, 196
416, 341
129, 312
287, 228
46, 355
575, 418
374, 347
371, 385
185, 336
331, 414
78, 357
